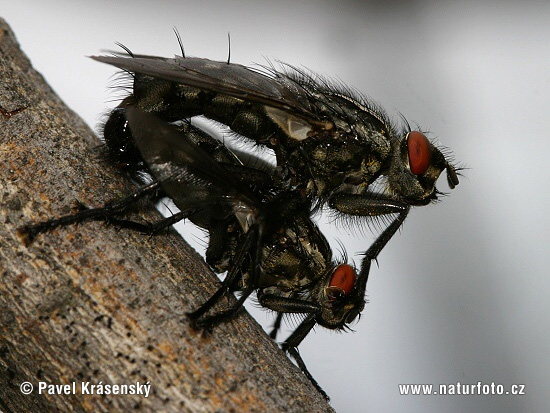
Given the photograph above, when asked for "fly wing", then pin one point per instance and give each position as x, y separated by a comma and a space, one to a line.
277, 91
188, 174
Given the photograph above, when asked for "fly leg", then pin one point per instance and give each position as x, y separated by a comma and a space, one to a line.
105, 213
149, 228
366, 204
229, 285
363, 205
287, 304
252, 246
380, 242
373, 251
290, 346
276, 326
254, 239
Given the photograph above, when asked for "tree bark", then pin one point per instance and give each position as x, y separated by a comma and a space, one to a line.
105, 306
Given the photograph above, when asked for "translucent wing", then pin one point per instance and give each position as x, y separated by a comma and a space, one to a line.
277, 91
188, 174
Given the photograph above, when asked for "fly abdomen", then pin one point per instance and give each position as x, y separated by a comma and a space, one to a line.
245, 118
120, 147
172, 102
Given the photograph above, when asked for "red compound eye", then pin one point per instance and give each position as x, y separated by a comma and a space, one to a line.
342, 282
420, 152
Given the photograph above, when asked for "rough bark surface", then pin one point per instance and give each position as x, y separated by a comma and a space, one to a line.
93, 304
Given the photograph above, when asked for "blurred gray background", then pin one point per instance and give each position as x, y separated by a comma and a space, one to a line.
462, 293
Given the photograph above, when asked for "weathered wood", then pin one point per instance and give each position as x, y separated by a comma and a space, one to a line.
94, 304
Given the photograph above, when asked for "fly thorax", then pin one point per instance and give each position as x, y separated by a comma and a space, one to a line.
378, 140
370, 166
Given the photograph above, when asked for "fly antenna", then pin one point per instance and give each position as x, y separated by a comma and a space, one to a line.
179, 42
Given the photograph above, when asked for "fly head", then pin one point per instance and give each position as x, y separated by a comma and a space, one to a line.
415, 168
341, 297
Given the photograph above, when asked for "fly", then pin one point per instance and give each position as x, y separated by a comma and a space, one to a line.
331, 144
332, 147
262, 235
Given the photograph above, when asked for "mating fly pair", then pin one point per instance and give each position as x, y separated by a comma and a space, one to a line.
331, 148
260, 234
